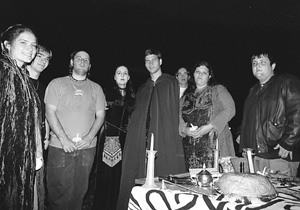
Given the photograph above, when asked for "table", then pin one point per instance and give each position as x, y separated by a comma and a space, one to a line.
144, 199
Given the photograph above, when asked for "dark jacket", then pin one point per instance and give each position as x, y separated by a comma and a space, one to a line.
159, 102
272, 116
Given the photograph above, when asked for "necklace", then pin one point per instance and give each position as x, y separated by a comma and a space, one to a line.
122, 91
77, 92
78, 81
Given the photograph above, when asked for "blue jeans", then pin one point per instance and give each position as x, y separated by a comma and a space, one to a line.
68, 177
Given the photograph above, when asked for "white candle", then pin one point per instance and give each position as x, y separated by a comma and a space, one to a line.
216, 158
152, 142
249, 155
216, 154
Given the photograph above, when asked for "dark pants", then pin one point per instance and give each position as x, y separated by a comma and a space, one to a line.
68, 177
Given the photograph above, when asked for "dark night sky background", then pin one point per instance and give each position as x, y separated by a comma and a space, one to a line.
224, 32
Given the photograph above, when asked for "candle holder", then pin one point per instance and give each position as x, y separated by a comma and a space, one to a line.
150, 170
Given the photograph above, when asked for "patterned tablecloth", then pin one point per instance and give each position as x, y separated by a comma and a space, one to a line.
144, 199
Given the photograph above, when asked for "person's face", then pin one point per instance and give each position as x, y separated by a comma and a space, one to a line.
23, 48
262, 68
152, 63
182, 77
201, 76
121, 76
81, 63
41, 61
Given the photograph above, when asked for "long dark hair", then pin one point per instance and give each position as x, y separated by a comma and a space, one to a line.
114, 95
211, 82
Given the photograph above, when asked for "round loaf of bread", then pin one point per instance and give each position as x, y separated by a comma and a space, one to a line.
252, 185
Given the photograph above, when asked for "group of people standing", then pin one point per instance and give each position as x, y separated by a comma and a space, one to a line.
59, 130
62, 120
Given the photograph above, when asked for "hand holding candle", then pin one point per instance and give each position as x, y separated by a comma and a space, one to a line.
77, 138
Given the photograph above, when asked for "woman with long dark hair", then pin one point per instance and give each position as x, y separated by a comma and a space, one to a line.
120, 103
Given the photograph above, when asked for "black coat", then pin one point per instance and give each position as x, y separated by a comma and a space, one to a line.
19, 136
160, 102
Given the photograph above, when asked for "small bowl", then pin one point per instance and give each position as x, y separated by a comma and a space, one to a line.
205, 178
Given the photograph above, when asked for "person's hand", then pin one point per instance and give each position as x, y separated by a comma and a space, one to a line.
39, 163
46, 144
205, 129
283, 153
84, 143
197, 133
68, 146
190, 131
238, 139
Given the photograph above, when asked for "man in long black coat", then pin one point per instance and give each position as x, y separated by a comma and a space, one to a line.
157, 112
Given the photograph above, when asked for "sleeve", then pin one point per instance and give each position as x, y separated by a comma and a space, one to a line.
227, 111
100, 99
290, 139
182, 124
52, 93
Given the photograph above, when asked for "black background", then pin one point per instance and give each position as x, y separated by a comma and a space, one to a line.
224, 32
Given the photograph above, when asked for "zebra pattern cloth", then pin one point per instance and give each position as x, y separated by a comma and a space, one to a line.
145, 199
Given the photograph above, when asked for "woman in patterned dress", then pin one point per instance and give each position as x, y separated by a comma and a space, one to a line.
205, 111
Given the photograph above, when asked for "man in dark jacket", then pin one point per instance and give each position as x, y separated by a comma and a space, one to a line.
157, 112
271, 118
